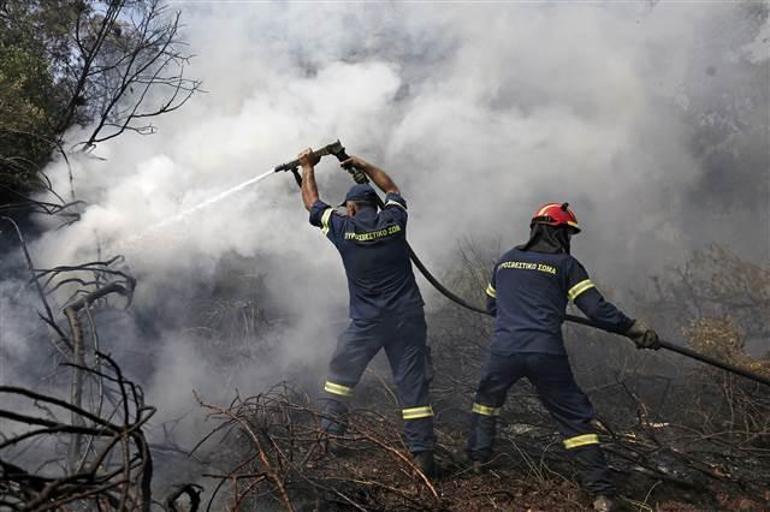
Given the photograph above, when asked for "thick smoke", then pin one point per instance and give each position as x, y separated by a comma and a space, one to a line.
481, 113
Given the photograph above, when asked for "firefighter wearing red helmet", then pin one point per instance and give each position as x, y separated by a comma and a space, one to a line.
528, 294
556, 214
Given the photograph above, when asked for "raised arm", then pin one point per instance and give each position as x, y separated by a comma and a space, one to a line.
309, 188
377, 175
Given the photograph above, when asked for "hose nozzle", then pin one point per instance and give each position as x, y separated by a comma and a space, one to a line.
329, 149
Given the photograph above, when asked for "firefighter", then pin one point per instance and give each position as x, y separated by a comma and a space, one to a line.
386, 308
528, 294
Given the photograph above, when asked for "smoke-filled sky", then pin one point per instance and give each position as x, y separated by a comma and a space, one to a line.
480, 111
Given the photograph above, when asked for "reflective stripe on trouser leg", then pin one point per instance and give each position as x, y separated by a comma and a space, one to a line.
581, 440
335, 408
485, 410
356, 346
338, 389
416, 413
418, 424
570, 407
497, 376
483, 431
407, 355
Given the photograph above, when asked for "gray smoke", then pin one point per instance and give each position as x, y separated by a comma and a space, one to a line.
481, 112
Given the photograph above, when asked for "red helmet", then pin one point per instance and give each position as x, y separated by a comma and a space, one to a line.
556, 214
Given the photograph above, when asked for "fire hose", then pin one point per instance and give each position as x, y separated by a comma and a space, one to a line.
336, 149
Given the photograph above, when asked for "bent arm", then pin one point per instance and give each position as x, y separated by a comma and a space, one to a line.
593, 304
377, 175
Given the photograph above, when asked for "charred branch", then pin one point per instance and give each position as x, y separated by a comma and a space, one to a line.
117, 477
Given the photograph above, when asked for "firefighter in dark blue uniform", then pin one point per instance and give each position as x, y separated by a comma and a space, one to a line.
386, 308
528, 294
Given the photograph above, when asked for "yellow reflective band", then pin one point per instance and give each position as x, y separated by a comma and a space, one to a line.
491, 291
325, 218
485, 410
579, 288
415, 413
583, 440
395, 203
337, 389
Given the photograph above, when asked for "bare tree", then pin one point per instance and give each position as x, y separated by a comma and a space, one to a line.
117, 477
132, 69
110, 67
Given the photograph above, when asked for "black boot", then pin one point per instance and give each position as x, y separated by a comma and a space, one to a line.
425, 462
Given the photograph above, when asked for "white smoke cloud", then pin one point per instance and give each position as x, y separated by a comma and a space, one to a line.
480, 111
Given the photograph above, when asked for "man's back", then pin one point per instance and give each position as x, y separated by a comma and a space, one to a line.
376, 258
531, 296
530, 290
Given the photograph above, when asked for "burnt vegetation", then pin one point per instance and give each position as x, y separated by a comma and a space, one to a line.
102, 69
679, 436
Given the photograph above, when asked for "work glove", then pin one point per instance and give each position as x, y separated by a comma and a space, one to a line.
644, 337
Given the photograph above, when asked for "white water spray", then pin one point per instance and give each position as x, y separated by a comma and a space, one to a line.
186, 213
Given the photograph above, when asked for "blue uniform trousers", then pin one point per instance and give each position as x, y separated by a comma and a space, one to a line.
403, 338
556, 387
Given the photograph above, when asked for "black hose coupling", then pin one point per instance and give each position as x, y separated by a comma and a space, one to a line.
338, 150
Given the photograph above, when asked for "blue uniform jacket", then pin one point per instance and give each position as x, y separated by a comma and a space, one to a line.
376, 257
528, 295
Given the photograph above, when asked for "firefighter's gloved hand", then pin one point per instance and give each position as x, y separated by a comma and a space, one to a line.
644, 337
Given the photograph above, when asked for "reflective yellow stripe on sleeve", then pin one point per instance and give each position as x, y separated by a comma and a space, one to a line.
415, 413
325, 220
579, 288
491, 291
582, 440
485, 410
337, 389
395, 203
